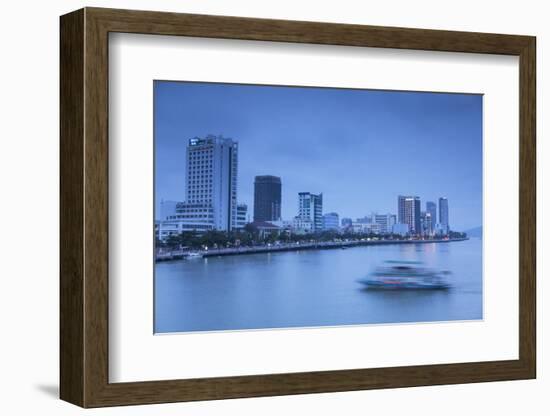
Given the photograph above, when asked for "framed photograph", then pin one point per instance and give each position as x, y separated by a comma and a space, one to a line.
255, 207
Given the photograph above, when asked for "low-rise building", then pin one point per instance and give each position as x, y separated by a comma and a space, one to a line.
331, 221
303, 225
265, 228
242, 211
346, 223
385, 222
167, 209
366, 228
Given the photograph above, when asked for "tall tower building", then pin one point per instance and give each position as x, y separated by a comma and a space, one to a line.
431, 208
408, 212
267, 198
444, 214
212, 181
401, 209
310, 208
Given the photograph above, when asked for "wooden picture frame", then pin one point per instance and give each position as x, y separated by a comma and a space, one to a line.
84, 207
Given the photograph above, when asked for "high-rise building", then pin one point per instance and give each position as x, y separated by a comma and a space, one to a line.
212, 180
331, 221
444, 214
310, 208
401, 209
431, 208
408, 212
267, 198
211, 190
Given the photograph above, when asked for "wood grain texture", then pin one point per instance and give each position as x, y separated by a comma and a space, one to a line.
528, 208
71, 100
84, 207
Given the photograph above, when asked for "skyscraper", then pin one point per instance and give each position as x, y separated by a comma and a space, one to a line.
431, 208
401, 209
444, 214
267, 198
311, 208
212, 182
408, 212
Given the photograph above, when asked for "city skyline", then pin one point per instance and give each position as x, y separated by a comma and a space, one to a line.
442, 170
211, 203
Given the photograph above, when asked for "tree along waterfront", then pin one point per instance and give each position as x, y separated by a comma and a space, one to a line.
250, 237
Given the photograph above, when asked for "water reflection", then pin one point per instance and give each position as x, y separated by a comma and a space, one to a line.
312, 288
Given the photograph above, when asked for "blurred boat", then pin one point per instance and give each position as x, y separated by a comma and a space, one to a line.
194, 255
406, 275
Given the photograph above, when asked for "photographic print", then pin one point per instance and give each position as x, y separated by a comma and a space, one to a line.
298, 207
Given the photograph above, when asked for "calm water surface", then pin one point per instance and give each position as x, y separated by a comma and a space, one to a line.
312, 288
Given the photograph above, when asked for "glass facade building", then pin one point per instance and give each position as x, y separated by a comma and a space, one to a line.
431, 208
267, 198
444, 214
331, 221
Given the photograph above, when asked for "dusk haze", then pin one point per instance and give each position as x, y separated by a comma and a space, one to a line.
287, 206
324, 139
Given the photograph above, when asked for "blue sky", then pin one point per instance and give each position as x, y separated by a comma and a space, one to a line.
360, 148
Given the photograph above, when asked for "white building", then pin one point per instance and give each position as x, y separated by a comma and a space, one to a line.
211, 190
187, 217
242, 211
385, 222
408, 211
212, 178
310, 207
361, 227
302, 225
168, 228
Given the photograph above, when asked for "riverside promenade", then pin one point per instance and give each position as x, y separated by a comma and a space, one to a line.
168, 255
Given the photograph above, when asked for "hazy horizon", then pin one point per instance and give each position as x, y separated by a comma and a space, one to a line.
360, 148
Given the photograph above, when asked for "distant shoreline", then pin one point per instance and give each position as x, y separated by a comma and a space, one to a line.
327, 245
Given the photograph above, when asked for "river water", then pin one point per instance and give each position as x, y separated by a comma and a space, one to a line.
312, 288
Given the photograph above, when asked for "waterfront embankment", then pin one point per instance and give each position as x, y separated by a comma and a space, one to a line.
167, 255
